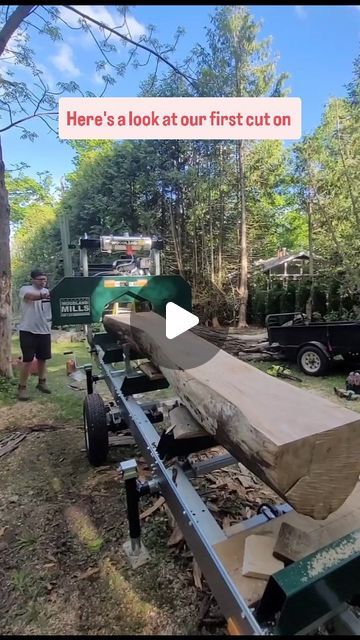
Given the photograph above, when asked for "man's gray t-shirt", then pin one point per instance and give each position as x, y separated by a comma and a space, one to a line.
35, 314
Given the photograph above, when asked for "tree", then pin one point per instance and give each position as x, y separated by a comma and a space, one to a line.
36, 236
237, 64
327, 168
21, 103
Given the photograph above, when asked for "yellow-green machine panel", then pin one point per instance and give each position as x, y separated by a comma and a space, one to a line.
83, 300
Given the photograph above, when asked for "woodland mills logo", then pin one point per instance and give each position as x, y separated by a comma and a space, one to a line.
74, 307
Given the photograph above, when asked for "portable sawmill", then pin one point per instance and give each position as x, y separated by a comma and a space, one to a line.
316, 588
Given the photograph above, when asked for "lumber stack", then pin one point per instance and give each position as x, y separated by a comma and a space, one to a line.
306, 448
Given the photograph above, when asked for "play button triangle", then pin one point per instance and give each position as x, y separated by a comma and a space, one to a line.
178, 320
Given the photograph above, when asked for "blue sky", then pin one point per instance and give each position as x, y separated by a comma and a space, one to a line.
316, 45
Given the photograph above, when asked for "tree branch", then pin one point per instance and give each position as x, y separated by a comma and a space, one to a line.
34, 115
136, 44
13, 23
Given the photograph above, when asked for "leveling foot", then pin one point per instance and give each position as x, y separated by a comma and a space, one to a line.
134, 548
136, 552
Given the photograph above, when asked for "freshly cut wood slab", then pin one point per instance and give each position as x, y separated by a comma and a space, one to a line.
303, 446
151, 371
184, 424
259, 561
293, 544
323, 532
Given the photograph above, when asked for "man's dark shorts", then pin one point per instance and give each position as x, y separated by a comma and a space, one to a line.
35, 344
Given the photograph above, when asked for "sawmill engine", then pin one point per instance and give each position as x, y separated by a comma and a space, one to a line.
136, 259
132, 265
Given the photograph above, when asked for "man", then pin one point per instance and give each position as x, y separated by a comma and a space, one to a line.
35, 331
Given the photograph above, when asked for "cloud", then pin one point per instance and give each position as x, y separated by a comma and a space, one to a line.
47, 76
300, 11
97, 76
63, 60
134, 28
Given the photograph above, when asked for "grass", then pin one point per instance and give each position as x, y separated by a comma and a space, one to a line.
26, 541
64, 404
323, 385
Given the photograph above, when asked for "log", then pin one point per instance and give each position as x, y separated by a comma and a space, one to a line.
305, 447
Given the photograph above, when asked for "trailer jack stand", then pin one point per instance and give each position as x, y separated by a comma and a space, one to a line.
134, 547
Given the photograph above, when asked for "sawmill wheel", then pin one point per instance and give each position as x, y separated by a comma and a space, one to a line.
312, 361
95, 430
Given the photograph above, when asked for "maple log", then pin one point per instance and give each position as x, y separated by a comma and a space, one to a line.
305, 447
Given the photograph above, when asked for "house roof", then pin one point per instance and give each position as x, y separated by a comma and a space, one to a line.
266, 265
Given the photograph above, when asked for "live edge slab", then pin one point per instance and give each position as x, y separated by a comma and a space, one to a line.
306, 448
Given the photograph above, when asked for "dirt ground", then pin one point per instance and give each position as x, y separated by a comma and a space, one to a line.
62, 566
62, 525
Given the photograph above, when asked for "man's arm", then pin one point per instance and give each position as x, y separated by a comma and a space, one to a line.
34, 295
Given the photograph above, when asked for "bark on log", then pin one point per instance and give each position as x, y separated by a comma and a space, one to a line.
303, 446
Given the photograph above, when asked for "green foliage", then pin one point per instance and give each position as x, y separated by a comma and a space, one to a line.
273, 304
36, 241
303, 295
259, 306
319, 300
334, 300
188, 191
288, 299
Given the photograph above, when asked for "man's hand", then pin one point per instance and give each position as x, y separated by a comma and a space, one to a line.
41, 295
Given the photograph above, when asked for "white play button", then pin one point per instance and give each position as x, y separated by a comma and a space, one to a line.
178, 320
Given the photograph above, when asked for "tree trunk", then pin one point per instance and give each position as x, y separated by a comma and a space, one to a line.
309, 306
221, 231
175, 236
13, 23
5, 277
348, 180
243, 285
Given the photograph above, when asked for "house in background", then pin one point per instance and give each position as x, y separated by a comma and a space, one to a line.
287, 266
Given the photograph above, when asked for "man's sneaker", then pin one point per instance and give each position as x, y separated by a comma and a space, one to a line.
42, 386
23, 393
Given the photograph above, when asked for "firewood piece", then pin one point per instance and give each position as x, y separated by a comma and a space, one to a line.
151, 371
293, 544
259, 561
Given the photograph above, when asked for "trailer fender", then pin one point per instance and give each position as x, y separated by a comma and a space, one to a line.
313, 358
320, 345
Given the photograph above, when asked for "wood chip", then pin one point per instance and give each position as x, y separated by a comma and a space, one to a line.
153, 508
176, 537
89, 573
2, 530
197, 575
170, 516
121, 441
11, 443
212, 507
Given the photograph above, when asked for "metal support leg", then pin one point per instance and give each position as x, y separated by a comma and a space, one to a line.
132, 503
89, 379
134, 548
126, 350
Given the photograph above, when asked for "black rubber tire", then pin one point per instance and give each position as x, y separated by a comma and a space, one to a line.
95, 430
321, 361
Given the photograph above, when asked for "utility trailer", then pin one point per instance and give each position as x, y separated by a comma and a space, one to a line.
321, 590
313, 345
